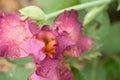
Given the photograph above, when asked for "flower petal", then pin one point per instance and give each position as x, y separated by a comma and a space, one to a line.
62, 43
13, 32
46, 70
34, 28
65, 73
85, 43
34, 47
67, 22
34, 76
51, 69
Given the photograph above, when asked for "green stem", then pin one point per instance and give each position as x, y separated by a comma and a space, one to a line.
94, 65
78, 7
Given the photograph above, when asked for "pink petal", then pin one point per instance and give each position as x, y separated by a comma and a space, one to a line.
34, 28
34, 76
86, 43
50, 69
34, 47
83, 44
62, 43
46, 70
13, 32
65, 74
67, 22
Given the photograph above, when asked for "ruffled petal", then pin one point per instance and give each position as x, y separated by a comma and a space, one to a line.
67, 22
51, 69
34, 47
34, 28
85, 43
65, 73
13, 32
62, 43
46, 70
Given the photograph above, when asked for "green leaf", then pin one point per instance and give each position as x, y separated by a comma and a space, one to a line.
34, 12
94, 71
90, 16
20, 61
15, 74
104, 21
77, 74
103, 30
111, 42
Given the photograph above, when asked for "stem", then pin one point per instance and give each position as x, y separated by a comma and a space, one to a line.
78, 7
94, 68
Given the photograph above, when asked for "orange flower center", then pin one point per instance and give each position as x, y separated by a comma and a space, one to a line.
49, 40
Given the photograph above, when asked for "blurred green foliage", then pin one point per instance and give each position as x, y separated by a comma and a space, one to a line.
102, 62
111, 42
94, 71
16, 74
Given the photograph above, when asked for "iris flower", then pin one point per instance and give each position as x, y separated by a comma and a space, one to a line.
21, 38
51, 67
64, 39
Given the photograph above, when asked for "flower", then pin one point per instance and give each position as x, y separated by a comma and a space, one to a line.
64, 38
13, 32
49, 68
67, 22
21, 38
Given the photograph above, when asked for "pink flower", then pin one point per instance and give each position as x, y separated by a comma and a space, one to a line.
49, 68
67, 22
65, 38
20, 38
